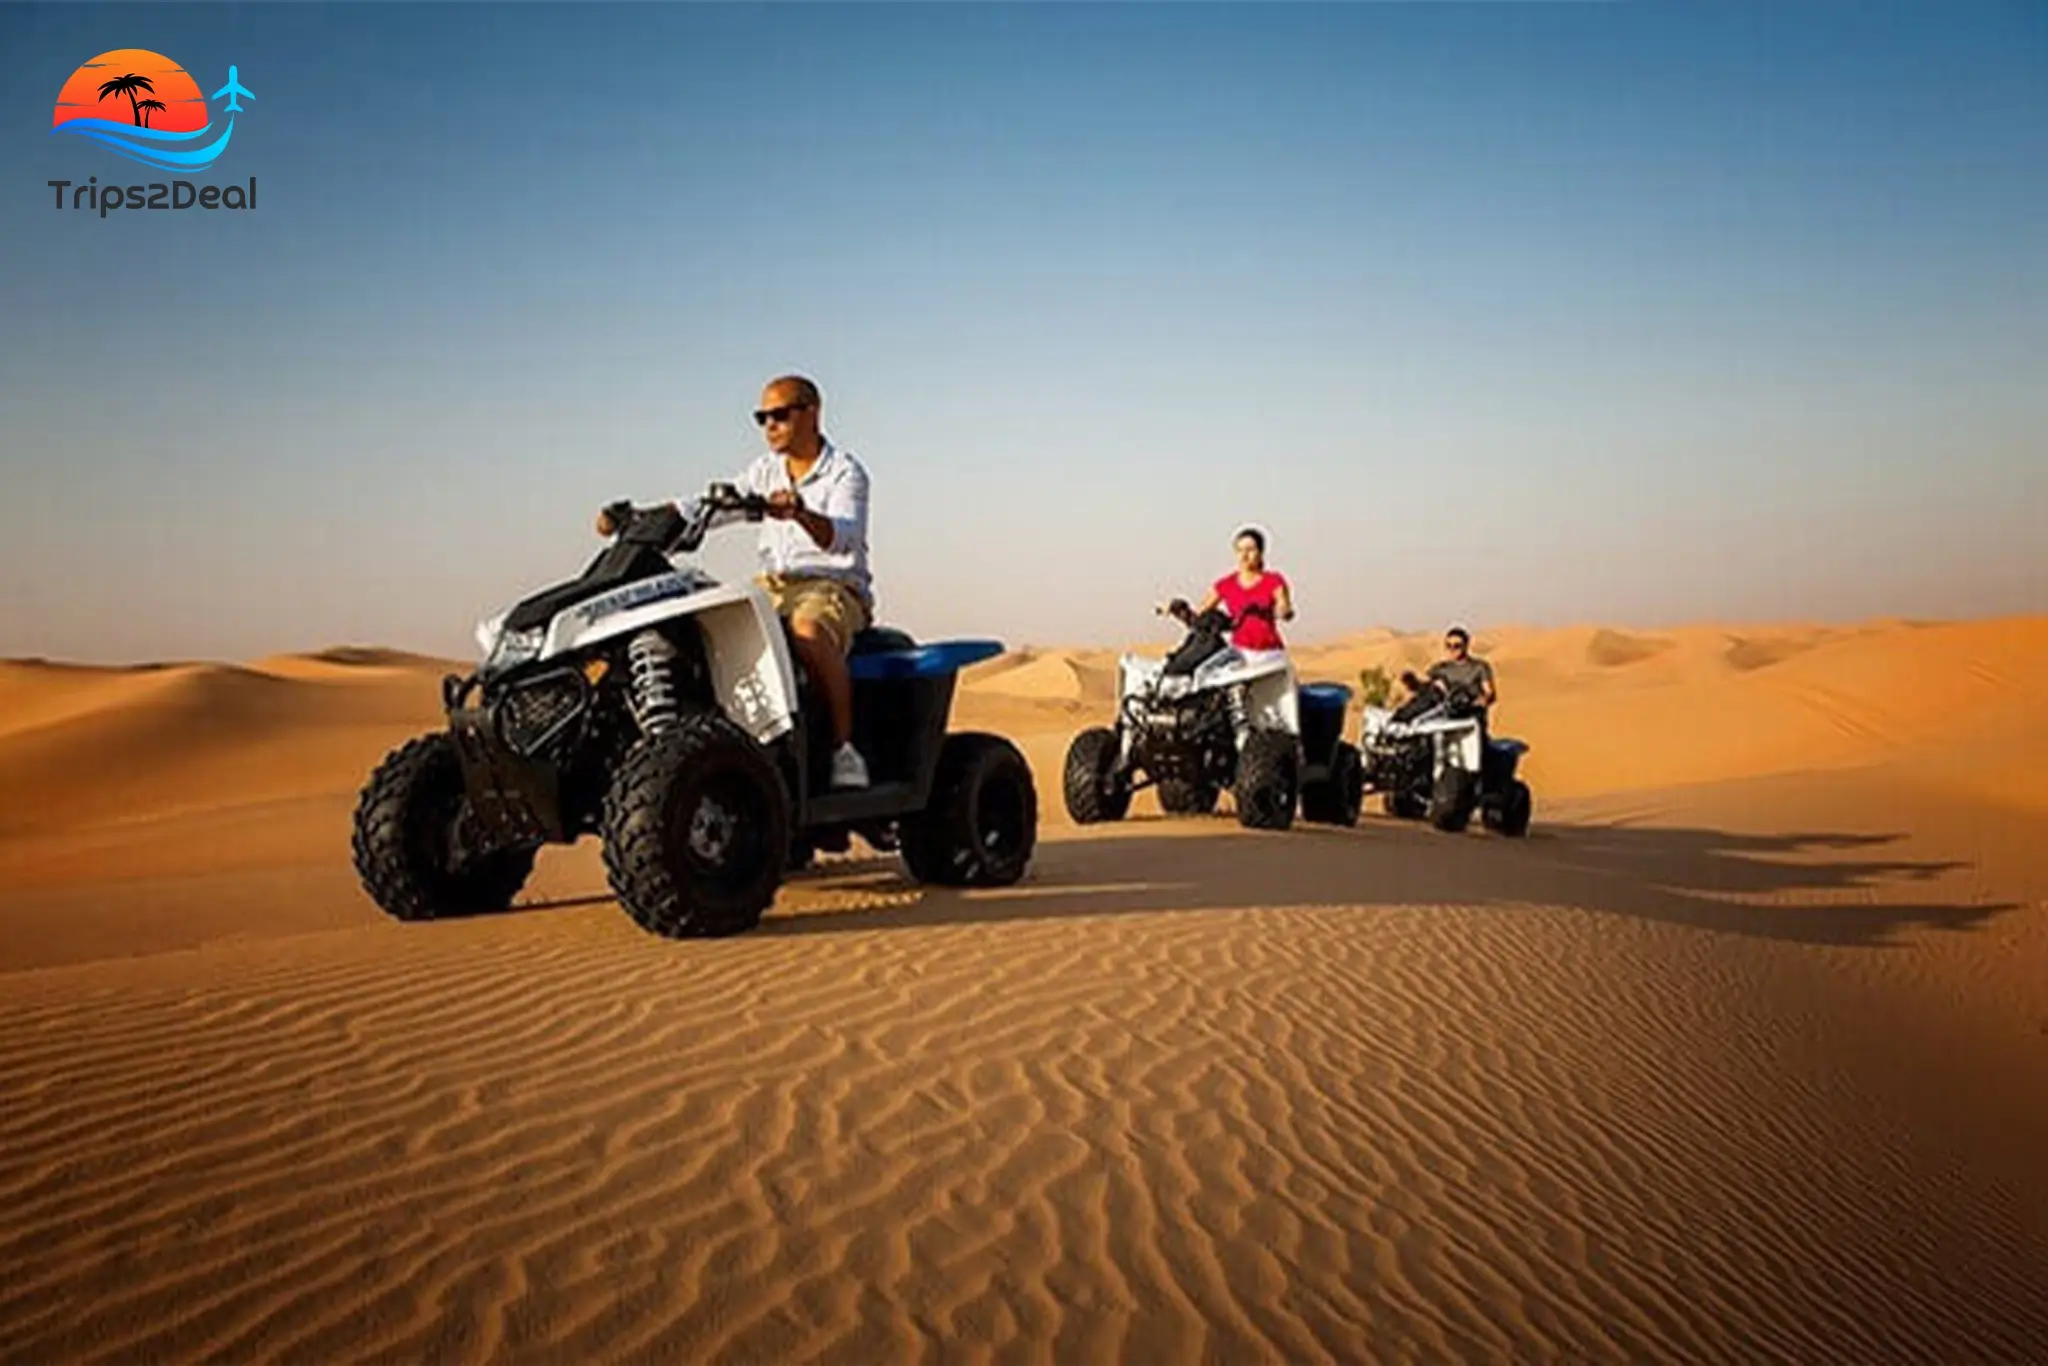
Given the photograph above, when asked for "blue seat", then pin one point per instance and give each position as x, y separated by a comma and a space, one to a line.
919, 661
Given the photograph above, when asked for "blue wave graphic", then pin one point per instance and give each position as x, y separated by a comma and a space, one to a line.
153, 146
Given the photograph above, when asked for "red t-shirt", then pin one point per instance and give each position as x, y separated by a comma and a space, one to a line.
1259, 632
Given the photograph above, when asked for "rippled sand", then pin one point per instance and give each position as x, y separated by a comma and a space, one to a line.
1711, 1067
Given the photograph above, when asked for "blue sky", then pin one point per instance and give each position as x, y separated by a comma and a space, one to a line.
1534, 313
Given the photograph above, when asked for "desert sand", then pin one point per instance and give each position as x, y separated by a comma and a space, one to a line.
1741, 1056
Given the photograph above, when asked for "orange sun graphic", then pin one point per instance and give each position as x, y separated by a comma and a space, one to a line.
149, 90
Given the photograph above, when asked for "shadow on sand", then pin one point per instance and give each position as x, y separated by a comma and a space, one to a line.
1805, 888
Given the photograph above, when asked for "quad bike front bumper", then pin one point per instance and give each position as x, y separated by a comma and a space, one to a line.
513, 801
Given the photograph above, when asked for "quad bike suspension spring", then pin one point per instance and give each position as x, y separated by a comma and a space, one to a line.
1240, 710
651, 661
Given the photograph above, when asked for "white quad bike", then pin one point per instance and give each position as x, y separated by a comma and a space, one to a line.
650, 705
1210, 717
1433, 759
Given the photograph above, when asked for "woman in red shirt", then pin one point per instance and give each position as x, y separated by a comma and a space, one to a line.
1257, 598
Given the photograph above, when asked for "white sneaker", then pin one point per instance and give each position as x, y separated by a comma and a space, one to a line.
848, 768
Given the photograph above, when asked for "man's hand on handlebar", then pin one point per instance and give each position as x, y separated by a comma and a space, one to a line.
614, 518
726, 498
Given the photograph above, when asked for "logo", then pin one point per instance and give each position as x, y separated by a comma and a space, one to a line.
144, 106
659, 587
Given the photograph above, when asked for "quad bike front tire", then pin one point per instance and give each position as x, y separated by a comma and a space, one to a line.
1178, 797
1337, 799
696, 830
1510, 816
1093, 794
406, 845
982, 824
1452, 801
1405, 805
1268, 781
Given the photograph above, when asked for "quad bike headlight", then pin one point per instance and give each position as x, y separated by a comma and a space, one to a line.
487, 631
513, 648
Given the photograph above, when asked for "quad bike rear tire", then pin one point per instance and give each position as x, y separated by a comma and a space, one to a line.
1406, 806
405, 845
1178, 797
696, 831
1452, 801
1337, 799
1268, 781
1510, 816
1092, 794
982, 824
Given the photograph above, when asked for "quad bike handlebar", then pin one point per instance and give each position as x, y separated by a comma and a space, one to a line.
1215, 619
1207, 634
725, 498
671, 529
1459, 701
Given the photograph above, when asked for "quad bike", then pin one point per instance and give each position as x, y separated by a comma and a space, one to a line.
1210, 718
658, 709
1433, 759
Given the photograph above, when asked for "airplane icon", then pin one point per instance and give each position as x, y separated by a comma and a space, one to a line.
233, 88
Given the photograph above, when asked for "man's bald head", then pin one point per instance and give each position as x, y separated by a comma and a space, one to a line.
790, 389
789, 416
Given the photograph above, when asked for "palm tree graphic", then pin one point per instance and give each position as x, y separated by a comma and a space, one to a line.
128, 85
146, 107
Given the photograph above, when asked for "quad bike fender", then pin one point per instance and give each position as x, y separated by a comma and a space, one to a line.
752, 672
1503, 758
1272, 696
1458, 747
1239, 666
630, 606
1135, 674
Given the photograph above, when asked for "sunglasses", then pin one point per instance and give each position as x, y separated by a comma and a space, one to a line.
764, 416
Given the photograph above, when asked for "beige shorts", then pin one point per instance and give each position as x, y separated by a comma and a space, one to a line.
827, 602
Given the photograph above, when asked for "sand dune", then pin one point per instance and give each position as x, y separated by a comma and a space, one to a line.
1607, 709
1049, 678
1740, 1056
356, 663
128, 744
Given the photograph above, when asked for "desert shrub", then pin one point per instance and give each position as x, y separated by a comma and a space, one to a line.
1375, 686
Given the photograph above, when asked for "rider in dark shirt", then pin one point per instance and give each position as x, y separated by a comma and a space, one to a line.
1461, 671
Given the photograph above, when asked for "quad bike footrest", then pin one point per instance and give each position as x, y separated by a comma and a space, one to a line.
879, 802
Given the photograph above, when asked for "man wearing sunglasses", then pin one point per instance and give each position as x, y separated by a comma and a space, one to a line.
1461, 670
813, 549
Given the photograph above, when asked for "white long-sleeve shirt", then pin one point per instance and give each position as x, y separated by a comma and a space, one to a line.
837, 488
